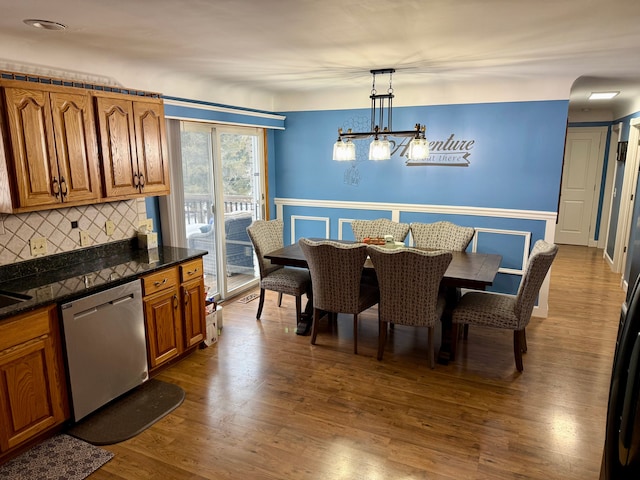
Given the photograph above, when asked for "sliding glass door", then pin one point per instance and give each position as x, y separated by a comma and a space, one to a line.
222, 185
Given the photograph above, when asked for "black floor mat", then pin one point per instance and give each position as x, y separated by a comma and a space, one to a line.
130, 414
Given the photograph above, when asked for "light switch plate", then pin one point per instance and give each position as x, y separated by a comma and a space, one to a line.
109, 227
85, 238
38, 246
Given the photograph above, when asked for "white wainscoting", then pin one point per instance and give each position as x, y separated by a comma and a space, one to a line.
395, 209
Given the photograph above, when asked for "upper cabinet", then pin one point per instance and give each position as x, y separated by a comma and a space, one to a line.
64, 146
133, 145
49, 150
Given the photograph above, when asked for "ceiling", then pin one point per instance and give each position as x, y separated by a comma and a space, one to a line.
304, 45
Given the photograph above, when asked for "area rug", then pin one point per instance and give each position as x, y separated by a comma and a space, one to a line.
60, 457
248, 298
130, 414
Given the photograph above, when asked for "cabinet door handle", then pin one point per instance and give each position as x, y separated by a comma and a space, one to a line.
55, 187
175, 301
141, 181
186, 298
158, 283
136, 181
63, 187
191, 272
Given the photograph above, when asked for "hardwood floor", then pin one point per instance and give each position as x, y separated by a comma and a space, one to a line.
265, 404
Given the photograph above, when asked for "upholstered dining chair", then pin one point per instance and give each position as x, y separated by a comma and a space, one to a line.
336, 271
502, 311
441, 236
267, 236
379, 228
409, 282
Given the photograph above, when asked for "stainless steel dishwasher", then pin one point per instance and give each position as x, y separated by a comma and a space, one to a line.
105, 346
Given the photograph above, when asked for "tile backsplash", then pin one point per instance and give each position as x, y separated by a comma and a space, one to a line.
55, 226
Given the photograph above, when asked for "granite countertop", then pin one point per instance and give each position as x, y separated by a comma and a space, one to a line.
67, 276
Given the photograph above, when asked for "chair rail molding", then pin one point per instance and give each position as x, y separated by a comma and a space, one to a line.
489, 237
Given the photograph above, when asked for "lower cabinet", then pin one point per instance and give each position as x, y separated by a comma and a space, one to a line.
192, 296
33, 395
174, 311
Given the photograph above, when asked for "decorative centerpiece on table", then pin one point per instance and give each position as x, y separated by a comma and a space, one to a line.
386, 241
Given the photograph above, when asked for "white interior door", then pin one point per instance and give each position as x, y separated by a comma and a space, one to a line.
583, 155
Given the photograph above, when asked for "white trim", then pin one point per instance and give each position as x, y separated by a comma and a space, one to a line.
172, 205
607, 198
294, 218
341, 222
526, 247
412, 207
221, 122
541, 310
217, 108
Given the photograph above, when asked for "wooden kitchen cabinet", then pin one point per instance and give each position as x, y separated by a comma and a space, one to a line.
174, 311
193, 302
163, 318
33, 395
133, 145
48, 148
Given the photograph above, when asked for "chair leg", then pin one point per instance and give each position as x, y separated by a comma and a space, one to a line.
432, 359
279, 299
524, 341
517, 349
355, 334
465, 331
298, 308
314, 325
382, 338
260, 304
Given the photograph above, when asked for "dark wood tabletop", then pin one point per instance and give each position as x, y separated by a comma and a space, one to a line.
466, 270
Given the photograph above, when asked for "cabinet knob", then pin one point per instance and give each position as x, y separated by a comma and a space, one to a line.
55, 187
141, 180
136, 180
63, 187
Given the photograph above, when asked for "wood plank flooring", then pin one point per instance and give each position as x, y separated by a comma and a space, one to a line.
265, 404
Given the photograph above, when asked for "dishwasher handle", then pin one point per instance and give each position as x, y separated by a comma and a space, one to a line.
92, 310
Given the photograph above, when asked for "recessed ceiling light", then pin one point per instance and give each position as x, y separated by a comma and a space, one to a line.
44, 24
602, 95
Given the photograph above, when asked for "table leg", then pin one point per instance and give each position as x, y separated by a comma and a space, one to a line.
447, 348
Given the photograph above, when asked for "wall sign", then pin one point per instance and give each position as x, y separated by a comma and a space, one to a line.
450, 152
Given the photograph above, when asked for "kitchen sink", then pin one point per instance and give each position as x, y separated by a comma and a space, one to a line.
9, 298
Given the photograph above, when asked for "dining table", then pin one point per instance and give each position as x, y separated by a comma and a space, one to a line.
469, 270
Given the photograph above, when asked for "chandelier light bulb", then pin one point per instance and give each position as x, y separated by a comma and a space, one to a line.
418, 149
380, 150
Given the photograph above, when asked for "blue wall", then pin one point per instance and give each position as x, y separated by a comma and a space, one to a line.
510, 158
505, 156
515, 160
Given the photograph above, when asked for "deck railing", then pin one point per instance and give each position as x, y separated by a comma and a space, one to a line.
198, 208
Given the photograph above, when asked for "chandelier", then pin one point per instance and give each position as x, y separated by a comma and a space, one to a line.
381, 117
